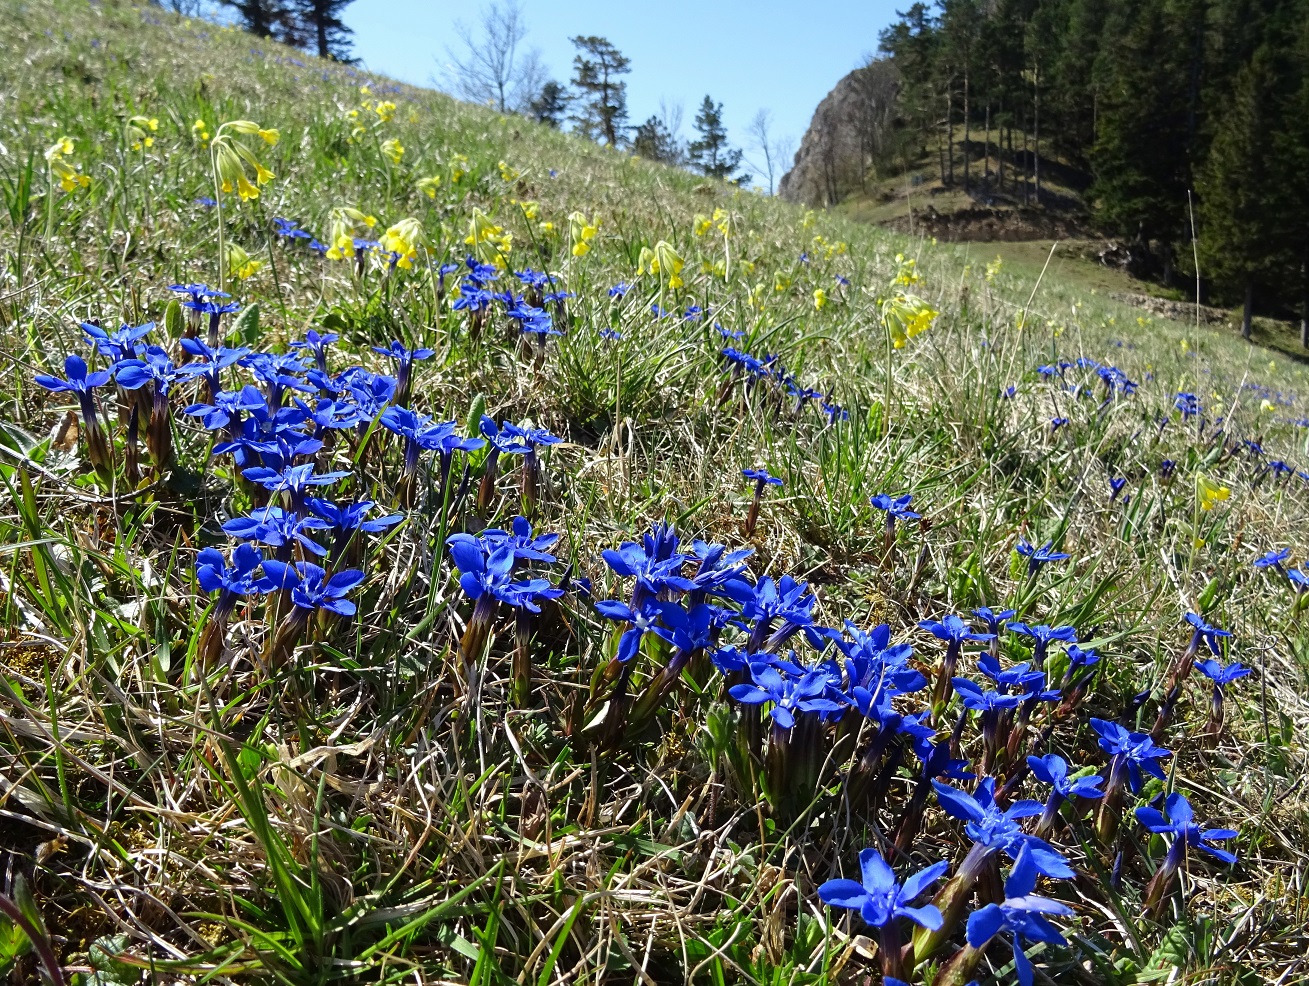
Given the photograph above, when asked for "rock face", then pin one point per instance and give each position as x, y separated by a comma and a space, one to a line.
847, 132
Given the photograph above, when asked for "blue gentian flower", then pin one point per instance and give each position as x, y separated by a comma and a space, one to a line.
405, 358
311, 587
228, 409
317, 345
289, 229
1022, 914
120, 344
1036, 557
1206, 634
994, 829
526, 546
214, 574
640, 621
279, 529
1180, 824
296, 481
1052, 769
619, 289
879, 898
1130, 753
788, 695
994, 620
896, 509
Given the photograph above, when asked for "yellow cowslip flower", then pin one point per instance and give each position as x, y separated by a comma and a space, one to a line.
200, 132
993, 269
346, 222
507, 173
404, 238
906, 316
365, 91
1267, 406
270, 135
240, 264
1272, 366
1186, 347
459, 167
820, 298
56, 157
781, 281
231, 157
748, 266
531, 210
1209, 494
139, 129
385, 111
723, 220
428, 186
393, 149
701, 224
490, 243
670, 263
582, 231
906, 271
547, 227
808, 219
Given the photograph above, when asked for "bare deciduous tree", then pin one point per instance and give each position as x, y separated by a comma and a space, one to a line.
774, 153
494, 69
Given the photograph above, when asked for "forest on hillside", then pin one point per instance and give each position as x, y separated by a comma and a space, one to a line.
1189, 116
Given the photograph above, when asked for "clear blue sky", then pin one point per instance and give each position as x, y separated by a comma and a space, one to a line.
767, 54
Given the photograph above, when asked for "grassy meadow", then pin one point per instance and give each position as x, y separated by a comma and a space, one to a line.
478, 659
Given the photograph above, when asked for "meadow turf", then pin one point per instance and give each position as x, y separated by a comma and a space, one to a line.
384, 802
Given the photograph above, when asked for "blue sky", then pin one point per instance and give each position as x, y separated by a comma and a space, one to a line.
767, 54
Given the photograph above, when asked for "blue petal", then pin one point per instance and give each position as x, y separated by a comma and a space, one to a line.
842, 893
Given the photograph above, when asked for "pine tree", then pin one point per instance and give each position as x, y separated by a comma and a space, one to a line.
655, 141
601, 95
327, 34
711, 155
1239, 191
550, 104
264, 18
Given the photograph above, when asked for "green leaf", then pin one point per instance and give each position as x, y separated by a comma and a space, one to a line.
247, 325
174, 324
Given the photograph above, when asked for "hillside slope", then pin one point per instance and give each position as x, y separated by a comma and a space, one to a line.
344, 639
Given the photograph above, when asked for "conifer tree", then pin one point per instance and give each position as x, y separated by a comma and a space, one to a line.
710, 154
601, 94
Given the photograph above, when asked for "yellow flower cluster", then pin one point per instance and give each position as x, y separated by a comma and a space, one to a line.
240, 264
428, 186
490, 243
663, 261
507, 173
139, 129
347, 222
404, 238
459, 166
820, 298
232, 156
906, 272
906, 316
993, 269
828, 249
1209, 494
56, 157
200, 133
393, 149
720, 220
582, 231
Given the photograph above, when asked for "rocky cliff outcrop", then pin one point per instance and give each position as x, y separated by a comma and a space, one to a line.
848, 131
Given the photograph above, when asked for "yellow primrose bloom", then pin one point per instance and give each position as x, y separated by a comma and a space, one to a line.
701, 224
393, 149
200, 132
428, 186
270, 135
670, 263
240, 264
781, 281
490, 243
722, 219
139, 129
993, 269
245, 190
531, 210
385, 111
459, 167
820, 298
232, 158
1267, 406
582, 231
1209, 494
906, 316
507, 173
56, 156
906, 271
807, 220
404, 238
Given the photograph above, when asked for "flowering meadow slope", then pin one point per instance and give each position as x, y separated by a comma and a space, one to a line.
437, 549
